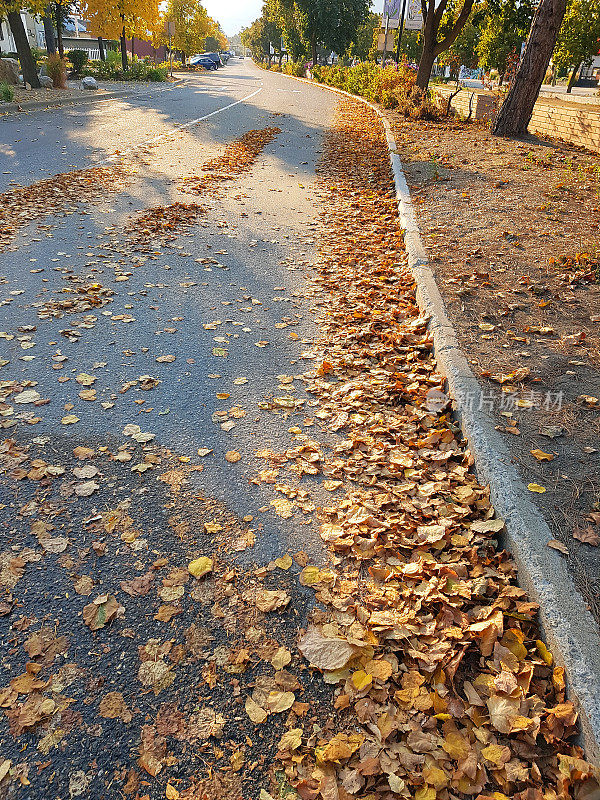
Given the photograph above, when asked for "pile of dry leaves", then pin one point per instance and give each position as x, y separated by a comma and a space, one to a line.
444, 686
237, 158
59, 194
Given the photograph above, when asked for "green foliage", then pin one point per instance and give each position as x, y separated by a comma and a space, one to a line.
57, 70
211, 44
7, 93
464, 50
296, 68
331, 23
391, 87
78, 59
138, 70
579, 35
504, 27
364, 43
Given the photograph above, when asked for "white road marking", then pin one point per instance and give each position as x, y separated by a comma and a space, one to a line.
178, 128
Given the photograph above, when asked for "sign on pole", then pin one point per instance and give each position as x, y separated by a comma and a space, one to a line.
170, 27
414, 16
391, 9
385, 45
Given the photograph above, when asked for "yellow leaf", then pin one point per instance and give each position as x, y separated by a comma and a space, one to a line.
285, 562
541, 456
535, 487
545, 654
309, 576
69, 419
200, 566
361, 680
257, 714
426, 793
232, 456
291, 739
171, 793
281, 658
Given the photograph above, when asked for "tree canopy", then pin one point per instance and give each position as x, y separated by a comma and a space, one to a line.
579, 36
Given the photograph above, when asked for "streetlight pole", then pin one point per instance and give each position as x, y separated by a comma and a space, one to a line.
400, 31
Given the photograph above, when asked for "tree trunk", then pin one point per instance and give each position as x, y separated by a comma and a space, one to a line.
124, 62
132, 46
425, 64
313, 44
49, 31
59, 30
101, 48
28, 65
573, 78
515, 113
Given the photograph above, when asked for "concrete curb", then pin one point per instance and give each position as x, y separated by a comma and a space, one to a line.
567, 625
90, 97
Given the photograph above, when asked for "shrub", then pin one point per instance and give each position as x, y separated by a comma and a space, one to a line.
138, 70
78, 59
296, 68
7, 93
391, 87
57, 70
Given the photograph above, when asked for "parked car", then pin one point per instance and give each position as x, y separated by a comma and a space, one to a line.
216, 58
202, 61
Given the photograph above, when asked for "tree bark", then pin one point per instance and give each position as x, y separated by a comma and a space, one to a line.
28, 65
49, 31
515, 113
313, 44
132, 46
124, 62
101, 48
59, 30
432, 15
425, 65
573, 78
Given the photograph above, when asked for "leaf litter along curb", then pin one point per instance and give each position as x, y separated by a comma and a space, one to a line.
435, 652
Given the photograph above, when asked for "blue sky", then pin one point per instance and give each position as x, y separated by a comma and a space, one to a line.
237, 14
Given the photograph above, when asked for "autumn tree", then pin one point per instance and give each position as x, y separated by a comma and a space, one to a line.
442, 23
122, 19
192, 26
11, 10
578, 38
515, 113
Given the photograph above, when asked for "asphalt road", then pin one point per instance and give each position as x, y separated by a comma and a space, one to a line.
261, 230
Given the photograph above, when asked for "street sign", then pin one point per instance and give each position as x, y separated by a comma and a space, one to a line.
170, 27
391, 9
414, 16
382, 44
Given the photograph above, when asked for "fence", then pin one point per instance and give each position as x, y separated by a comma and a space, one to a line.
576, 123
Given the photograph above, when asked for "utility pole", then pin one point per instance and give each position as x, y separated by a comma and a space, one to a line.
387, 25
400, 31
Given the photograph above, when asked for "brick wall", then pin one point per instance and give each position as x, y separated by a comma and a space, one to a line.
576, 123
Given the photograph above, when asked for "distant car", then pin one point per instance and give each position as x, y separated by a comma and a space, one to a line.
215, 57
202, 61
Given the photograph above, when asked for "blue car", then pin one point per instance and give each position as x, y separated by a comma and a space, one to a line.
202, 61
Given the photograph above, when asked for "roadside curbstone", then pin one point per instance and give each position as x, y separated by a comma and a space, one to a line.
57, 102
566, 623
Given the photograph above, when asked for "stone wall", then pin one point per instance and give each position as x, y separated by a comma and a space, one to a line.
576, 123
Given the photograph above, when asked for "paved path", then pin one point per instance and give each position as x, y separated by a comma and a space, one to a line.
176, 302
270, 223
